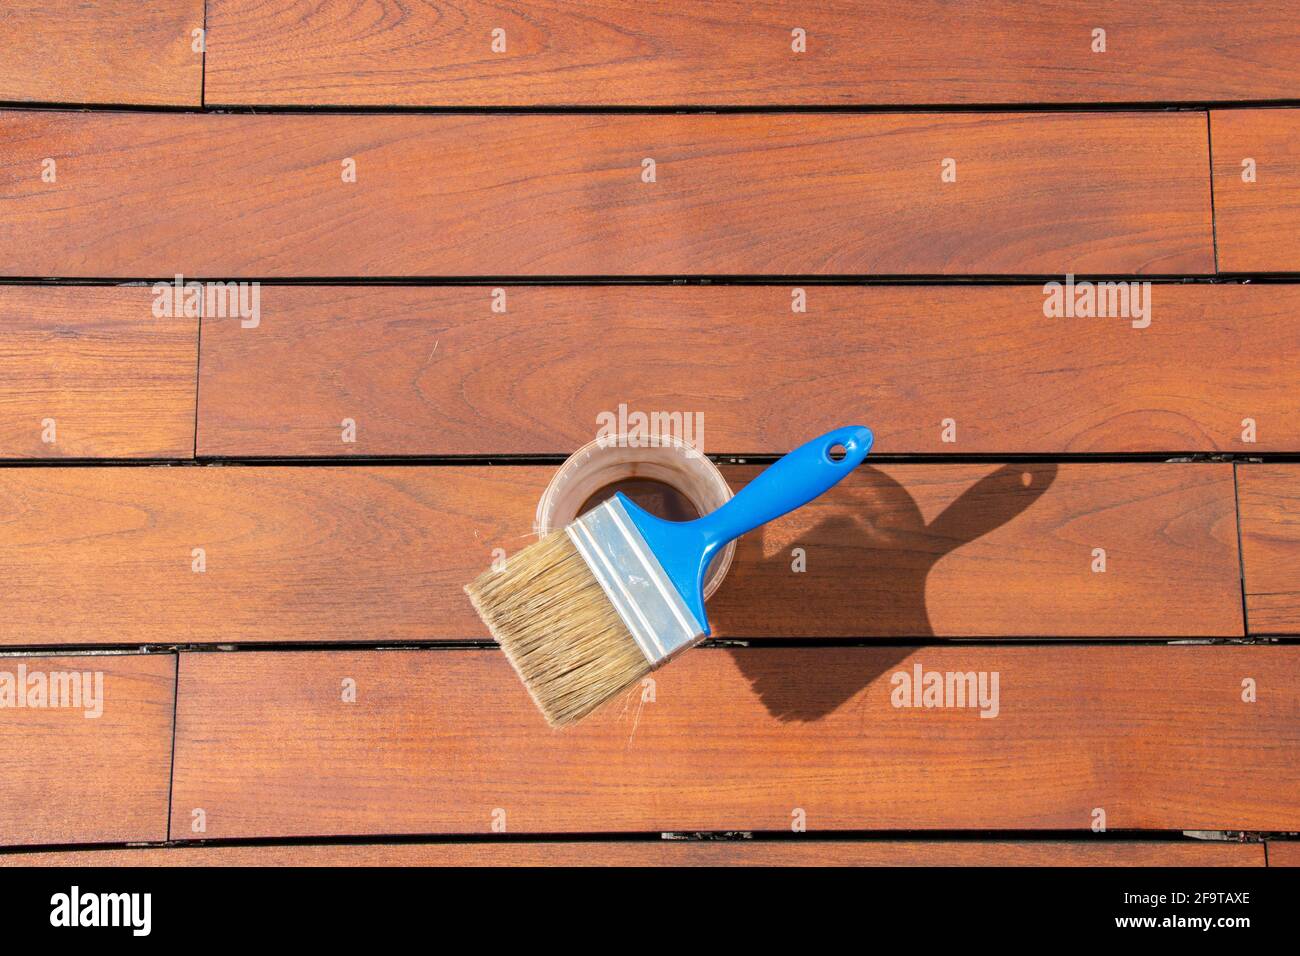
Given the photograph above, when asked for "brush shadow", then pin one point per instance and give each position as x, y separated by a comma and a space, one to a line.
890, 539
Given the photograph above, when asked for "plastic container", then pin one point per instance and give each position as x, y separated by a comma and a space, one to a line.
603, 464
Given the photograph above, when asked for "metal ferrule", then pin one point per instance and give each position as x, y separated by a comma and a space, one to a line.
635, 582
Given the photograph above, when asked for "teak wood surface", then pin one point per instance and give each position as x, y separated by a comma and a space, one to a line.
67, 776
1283, 853
380, 553
242, 196
736, 53
783, 216
658, 852
438, 371
124, 52
1269, 498
90, 372
1257, 223
739, 740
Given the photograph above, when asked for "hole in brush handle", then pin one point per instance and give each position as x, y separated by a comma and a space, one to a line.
848, 446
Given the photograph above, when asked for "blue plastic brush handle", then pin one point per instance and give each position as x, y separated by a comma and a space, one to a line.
685, 548
795, 480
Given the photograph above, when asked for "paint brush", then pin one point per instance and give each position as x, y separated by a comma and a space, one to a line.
586, 612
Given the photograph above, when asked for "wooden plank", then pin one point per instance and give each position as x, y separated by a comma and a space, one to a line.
810, 852
380, 553
988, 551
90, 372
434, 371
1257, 222
101, 51
96, 767
1270, 546
1283, 853
728, 52
438, 741
539, 195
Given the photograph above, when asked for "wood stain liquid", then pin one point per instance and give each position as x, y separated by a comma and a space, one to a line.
659, 498
667, 480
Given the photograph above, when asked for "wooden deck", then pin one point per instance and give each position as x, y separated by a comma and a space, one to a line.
783, 217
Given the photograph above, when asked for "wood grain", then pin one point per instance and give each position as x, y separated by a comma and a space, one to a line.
372, 553
116, 381
434, 371
538, 195
1270, 546
1257, 224
66, 777
728, 52
1283, 853
101, 51
809, 852
436, 741
989, 551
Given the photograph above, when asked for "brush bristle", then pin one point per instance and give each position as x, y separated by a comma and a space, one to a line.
558, 628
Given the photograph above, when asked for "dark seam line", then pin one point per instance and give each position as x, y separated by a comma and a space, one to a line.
864, 109
1241, 554
171, 778
203, 67
1214, 211
550, 459
747, 644
657, 837
757, 458
198, 378
776, 280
